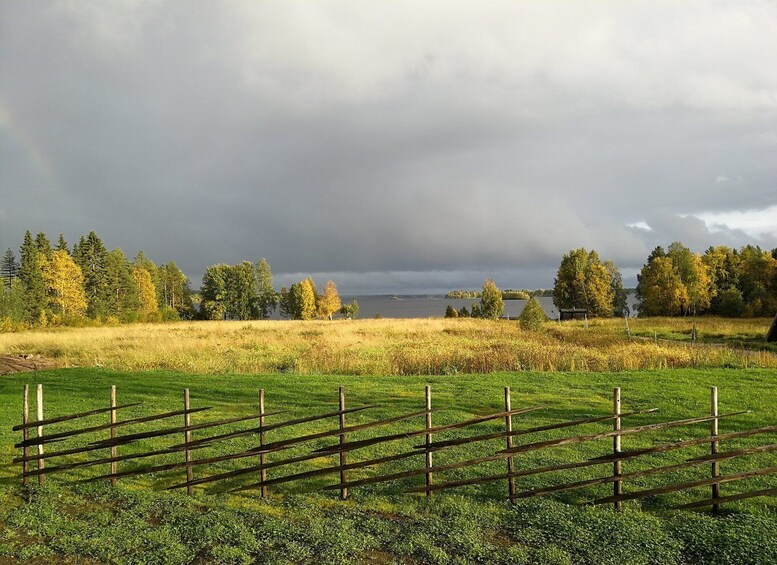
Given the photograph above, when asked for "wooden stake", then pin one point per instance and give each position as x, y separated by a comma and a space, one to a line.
616, 445
114, 449
187, 440
428, 395
509, 430
41, 461
714, 446
343, 461
628, 331
262, 456
25, 431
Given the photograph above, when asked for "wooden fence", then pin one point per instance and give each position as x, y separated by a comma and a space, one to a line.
36, 452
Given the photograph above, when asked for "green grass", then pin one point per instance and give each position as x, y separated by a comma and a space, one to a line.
136, 523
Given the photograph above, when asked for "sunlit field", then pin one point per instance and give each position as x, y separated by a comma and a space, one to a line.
403, 347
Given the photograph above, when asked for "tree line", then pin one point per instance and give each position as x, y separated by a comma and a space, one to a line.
56, 285
673, 282
722, 281
245, 292
507, 294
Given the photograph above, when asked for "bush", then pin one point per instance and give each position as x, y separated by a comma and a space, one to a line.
533, 316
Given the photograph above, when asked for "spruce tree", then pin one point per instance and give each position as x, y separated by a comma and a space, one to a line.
122, 299
43, 245
31, 278
62, 244
9, 268
90, 254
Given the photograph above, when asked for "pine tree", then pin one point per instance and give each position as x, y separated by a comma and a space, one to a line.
451, 312
175, 292
31, 278
329, 302
9, 268
491, 305
266, 297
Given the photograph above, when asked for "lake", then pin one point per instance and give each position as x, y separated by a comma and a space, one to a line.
430, 306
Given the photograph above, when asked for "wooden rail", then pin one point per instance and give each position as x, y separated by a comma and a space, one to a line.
256, 475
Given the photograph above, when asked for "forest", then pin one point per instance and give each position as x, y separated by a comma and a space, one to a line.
52, 284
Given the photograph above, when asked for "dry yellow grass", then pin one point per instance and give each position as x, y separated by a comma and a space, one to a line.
382, 347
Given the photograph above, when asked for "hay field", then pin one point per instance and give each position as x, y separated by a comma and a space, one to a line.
398, 347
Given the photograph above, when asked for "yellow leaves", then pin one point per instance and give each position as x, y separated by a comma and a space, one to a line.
307, 299
65, 284
329, 302
146, 291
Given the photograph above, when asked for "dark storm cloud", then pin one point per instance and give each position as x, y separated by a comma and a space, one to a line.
394, 146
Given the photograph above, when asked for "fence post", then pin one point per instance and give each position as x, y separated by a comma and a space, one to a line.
617, 486
114, 449
509, 430
41, 461
262, 456
25, 431
714, 445
428, 395
343, 489
187, 440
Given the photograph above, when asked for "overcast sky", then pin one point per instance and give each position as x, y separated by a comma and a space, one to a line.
394, 146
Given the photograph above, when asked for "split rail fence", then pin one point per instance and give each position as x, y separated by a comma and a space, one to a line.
37, 456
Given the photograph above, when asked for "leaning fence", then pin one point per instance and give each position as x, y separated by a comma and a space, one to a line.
264, 458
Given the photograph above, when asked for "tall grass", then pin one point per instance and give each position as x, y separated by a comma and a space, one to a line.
395, 347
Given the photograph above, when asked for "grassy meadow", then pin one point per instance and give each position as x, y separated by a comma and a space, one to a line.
567, 369
381, 523
402, 347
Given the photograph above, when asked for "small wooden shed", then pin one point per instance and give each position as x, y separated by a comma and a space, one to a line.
771, 336
572, 314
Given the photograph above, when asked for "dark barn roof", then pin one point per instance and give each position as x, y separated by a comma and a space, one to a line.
772, 335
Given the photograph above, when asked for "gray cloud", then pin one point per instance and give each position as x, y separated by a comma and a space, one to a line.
426, 145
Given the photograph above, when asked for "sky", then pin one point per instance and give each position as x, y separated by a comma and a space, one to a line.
395, 147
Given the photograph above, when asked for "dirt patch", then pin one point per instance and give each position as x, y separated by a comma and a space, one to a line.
10, 364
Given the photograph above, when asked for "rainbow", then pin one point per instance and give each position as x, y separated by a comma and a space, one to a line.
27, 144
